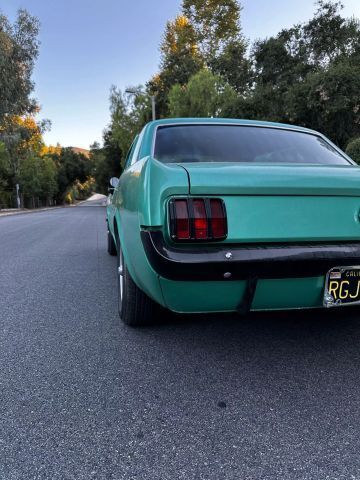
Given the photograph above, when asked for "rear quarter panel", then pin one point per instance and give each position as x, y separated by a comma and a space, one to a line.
139, 203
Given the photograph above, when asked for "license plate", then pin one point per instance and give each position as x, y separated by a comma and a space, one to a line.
342, 286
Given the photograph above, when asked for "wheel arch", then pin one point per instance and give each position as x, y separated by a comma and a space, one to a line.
119, 233
136, 261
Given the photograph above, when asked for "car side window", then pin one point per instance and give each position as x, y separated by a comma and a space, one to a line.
129, 154
135, 153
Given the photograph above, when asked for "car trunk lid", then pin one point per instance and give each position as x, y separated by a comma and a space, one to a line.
283, 203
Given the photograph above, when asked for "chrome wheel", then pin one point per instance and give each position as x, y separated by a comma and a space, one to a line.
135, 307
120, 275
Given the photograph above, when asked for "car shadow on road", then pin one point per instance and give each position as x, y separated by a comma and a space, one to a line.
318, 321
293, 334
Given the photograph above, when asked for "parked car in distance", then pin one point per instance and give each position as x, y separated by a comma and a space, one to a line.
224, 215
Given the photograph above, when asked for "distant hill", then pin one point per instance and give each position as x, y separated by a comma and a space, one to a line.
85, 152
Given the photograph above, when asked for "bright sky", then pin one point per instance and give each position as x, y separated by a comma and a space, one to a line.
88, 45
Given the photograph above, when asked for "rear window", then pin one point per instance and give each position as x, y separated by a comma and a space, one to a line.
234, 143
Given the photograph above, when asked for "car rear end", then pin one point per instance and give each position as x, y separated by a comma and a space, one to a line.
270, 214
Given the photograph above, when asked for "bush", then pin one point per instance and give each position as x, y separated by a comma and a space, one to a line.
353, 150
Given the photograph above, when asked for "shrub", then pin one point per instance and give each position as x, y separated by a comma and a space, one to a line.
353, 150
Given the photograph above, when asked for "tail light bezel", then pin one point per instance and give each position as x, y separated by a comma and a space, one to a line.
190, 207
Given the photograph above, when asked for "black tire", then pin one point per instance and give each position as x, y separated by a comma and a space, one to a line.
111, 247
136, 309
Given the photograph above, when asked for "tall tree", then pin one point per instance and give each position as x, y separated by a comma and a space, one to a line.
180, 59
22, 137
129, 112
216, 24
19, 47
328, 100
328, 35
308, 74
218, 34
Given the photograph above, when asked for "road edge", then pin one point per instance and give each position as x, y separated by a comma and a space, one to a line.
35, 210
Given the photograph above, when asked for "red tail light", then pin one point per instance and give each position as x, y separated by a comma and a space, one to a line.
198, 219
218, 219
182, 220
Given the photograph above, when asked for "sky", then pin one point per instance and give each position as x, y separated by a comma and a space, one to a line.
89, 45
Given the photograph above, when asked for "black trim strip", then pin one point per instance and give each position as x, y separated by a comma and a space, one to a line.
245, 305
208, 262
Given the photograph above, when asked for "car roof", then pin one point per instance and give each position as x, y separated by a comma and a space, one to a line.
229, 121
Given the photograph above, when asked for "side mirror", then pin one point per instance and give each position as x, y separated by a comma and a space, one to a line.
114, 181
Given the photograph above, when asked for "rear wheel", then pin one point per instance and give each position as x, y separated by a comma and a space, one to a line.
135, 307
111, 247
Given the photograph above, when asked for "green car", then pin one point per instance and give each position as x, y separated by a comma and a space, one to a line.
220, 215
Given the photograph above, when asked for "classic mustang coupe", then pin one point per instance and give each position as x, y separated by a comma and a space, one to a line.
218, 215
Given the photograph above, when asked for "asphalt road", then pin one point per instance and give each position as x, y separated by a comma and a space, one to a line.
84, 397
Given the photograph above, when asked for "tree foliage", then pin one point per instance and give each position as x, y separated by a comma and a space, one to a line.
353, 150
19, 48
180, 59
234, 66
129, 112
4, 166
309, 75
72, 167
43, 173
22, 136
205, 95
38, 179
216, 24
106, 162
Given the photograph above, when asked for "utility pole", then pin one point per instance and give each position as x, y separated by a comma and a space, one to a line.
17, 195
153, 107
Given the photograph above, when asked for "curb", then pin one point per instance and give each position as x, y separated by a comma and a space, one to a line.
25, 212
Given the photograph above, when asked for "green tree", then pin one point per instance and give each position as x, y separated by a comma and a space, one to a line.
288, 57
129, 113
106, 162
71, 167
328, 100
328, 35
353, 150
206, 95
234, 66
6, 193
4, 167
309, 75
219, 38
29, 177
19, 47
22, 137
48, 178
216, 24
38, 180
180, 59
